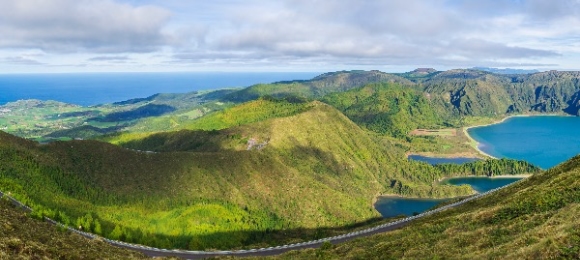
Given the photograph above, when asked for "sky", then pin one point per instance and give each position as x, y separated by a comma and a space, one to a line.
44, 36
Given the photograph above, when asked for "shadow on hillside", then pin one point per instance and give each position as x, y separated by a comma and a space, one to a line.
247, 239
186, 141
150, 110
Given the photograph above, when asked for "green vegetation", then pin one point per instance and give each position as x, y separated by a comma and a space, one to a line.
534, 219
226, 188
457, 145
280, 168
387, 108
478, 93
249, 112
489, 168
22, 237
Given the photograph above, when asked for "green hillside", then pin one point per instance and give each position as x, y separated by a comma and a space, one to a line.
534, 219
389, 109
22, 237
479, 93
250, 112
240, 186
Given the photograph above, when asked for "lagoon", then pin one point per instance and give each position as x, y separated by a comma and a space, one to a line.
544, 141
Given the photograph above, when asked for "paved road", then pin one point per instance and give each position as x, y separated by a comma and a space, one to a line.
150, 251
262, 252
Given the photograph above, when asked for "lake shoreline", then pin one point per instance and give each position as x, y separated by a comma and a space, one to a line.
392, 205
475, 144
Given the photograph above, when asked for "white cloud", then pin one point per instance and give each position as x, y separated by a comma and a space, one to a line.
373, 32
22, 61
304, 34
81, 25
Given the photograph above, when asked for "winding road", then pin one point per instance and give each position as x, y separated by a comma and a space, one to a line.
151, 251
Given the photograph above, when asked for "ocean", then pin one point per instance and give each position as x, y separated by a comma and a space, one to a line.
89, 89
545, 141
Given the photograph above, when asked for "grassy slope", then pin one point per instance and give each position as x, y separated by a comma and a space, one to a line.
246, 113
22, 237
535, 219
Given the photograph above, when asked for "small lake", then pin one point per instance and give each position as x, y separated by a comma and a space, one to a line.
395, 206
481, 184
544, 141
440, 160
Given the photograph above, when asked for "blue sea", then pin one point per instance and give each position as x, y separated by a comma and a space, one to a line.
88, 89
542, 140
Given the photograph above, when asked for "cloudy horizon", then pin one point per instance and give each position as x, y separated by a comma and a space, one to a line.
286, 35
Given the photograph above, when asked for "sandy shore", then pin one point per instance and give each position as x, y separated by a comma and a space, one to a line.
475, 144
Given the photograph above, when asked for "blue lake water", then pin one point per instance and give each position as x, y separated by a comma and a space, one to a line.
98, 88
396, 206
481, 184
542, 140
440, 160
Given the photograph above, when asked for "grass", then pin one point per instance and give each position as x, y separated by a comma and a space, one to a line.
22, 237
446, 145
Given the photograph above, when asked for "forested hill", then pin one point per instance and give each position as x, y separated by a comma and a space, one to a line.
317, 87
308, 169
